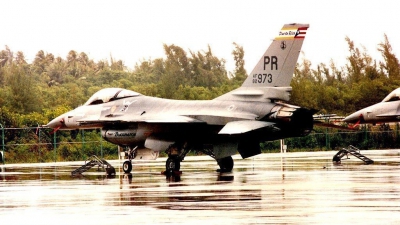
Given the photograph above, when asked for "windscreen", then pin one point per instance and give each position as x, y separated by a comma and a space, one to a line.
110, 94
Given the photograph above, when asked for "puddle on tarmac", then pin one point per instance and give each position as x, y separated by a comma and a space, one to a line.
300, 188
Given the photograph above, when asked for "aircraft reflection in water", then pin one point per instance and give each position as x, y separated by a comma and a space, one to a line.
234, 122
222, 194
386, 111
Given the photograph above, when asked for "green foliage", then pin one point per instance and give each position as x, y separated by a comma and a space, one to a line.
359, 84
240, 74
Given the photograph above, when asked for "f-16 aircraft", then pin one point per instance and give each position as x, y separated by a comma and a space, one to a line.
383, 112
234, 122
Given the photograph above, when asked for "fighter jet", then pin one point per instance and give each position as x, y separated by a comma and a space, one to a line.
234, 122
383, 112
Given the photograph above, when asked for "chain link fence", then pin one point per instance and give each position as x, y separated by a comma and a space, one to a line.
37, 144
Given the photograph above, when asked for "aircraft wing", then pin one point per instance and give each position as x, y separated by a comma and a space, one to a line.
146, 117
172, 119
152, 119
243, 126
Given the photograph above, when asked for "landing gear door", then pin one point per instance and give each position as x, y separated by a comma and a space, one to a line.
157, 144
146, 154
224, 149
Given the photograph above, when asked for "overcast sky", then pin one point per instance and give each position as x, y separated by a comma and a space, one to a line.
132, 30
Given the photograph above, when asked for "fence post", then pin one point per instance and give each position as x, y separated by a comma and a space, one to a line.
83, 142
3, 157
38, 130
101, 144
55, 145
327, 141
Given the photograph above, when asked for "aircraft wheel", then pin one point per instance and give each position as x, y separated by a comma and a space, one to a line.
127, 166
172, 165
225, 164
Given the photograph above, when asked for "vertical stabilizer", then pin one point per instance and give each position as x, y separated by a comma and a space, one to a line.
276, 66
271, 77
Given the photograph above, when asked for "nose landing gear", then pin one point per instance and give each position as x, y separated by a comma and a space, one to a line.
131, 154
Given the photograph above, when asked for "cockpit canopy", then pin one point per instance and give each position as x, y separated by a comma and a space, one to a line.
110, 94
393, 96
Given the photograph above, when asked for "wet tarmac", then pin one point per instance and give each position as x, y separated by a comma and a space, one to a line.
294, 188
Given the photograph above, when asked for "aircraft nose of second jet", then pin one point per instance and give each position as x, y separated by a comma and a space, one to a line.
353, 118
56, 123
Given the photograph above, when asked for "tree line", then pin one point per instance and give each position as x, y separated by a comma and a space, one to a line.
363, 81
33, 93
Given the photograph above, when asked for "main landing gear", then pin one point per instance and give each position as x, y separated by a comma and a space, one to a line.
175, 157
176, 154
225, 164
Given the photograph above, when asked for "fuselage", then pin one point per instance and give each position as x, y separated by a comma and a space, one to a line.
132, 120
151, 109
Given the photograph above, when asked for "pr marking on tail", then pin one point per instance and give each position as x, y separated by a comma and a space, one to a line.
273, 60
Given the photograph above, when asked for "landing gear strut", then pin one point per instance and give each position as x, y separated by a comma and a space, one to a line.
225, 164
127, 165
176, 155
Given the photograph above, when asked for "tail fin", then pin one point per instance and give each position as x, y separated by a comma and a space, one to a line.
276, 66
271, 77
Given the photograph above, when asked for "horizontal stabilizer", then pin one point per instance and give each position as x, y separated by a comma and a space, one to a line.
259, 94
243, 126
388, 115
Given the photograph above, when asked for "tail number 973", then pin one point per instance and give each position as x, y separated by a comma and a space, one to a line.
262, 78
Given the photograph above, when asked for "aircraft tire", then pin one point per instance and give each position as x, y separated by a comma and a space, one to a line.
225, 164
127, 166
172, 165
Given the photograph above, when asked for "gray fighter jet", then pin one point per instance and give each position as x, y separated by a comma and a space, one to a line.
234, 122
383, 112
